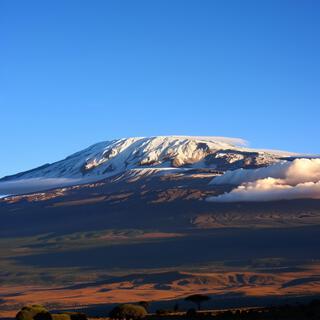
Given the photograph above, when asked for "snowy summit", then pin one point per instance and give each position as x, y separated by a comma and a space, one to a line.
159, 154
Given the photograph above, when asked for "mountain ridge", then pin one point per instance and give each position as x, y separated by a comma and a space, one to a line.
160, 154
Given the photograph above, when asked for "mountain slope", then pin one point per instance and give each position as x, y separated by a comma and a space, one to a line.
154, 155
138, 206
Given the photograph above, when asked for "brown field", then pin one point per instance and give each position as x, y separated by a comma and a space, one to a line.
155, 240
162, 286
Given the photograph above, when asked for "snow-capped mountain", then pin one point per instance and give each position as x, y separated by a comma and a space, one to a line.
161, 154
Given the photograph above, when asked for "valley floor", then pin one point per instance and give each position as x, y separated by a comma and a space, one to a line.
167, 288
99, 269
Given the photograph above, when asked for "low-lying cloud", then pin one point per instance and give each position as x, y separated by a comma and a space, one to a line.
34, 184
299, 179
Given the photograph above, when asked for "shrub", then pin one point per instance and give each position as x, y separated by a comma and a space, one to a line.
38, 312
128, 311
29, 312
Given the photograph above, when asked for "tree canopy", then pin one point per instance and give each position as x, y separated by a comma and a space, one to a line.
197, 299
128, 311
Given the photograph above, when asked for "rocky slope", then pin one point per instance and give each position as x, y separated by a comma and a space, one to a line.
139, 206
141, 156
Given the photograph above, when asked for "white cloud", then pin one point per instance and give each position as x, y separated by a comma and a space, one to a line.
34, 184
298, 179
233, 141
239, 176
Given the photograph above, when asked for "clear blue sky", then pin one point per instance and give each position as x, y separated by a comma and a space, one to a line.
73, 73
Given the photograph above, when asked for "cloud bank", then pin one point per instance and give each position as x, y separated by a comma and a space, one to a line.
35, 184
299, 179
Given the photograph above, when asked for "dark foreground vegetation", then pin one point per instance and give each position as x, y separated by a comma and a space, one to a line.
38, 312
310, 311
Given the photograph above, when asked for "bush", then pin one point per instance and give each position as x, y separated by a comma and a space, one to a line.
128, 311
39, 312
29, 312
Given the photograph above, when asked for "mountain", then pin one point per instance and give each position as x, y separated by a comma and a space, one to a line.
141, 156
160, 218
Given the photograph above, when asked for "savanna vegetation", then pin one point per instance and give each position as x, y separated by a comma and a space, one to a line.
128, 311
310, 311
197, 299
39, 312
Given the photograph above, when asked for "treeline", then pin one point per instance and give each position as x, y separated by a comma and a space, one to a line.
310, 311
